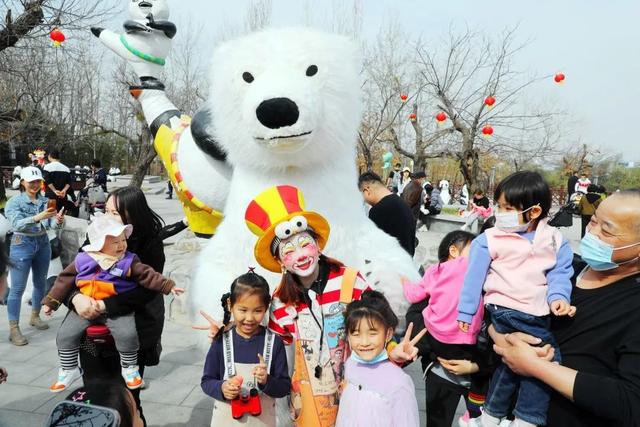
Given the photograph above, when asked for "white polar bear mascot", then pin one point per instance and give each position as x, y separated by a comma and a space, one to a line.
284, 109
289, 114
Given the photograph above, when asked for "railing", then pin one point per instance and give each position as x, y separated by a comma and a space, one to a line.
558, 194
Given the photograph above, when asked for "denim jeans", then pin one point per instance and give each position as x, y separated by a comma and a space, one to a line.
532, 395
28, 253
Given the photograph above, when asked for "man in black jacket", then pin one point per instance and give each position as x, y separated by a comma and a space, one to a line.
57, 179
388, 211
571, 184
99, 174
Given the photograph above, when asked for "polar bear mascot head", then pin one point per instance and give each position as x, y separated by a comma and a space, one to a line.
287, 104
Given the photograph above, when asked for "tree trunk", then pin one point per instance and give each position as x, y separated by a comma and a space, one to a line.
420, 163
469, 167
26, 21
3, 193
147, 154
366, 153
469, 159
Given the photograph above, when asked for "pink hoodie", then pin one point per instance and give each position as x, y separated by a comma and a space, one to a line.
442, 283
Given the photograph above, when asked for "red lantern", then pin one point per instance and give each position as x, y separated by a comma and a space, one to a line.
559, 78
413, 117
489, 101
441, 117
487, 131
403, 97
57, 36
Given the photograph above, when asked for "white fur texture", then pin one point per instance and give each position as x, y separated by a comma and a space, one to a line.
321, 164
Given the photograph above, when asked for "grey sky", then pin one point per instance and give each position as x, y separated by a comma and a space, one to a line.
594, 43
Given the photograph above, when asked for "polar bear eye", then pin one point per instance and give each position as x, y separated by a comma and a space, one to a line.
312, 70
247, 77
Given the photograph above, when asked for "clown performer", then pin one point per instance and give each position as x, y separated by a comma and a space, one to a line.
308, 305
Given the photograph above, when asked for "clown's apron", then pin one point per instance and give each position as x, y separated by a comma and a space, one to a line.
314, 401
221, 416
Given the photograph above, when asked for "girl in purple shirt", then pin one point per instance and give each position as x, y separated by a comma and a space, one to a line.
375, 390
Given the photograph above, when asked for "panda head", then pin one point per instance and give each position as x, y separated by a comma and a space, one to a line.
287, 97
140, 9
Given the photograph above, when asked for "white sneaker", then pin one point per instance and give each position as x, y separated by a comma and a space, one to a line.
132, 377
516, 423
471, 422
487, 420
65, 379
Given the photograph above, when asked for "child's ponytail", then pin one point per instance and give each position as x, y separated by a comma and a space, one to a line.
227, 315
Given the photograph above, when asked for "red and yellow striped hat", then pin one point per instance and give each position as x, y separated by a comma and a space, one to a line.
274, 208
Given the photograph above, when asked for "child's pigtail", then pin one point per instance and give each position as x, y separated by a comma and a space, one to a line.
227, 314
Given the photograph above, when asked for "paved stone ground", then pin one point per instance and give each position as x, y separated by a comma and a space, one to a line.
173, 396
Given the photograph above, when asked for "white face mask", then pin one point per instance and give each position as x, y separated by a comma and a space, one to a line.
510, 221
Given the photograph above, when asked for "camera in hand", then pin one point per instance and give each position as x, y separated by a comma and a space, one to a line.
248, 402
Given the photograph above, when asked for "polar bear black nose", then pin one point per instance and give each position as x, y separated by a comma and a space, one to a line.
275, 113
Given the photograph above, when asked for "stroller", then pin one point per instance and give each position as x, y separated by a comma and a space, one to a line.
564, 217
92, 200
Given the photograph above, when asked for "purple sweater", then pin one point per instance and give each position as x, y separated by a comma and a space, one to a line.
89, 270
377, 395
246, 351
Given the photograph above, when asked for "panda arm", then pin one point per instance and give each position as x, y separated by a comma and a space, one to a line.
168, 28
134, 26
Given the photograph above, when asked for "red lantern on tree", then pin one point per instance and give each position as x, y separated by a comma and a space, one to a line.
489, 101
403, 97
413, 117
487, 131
441, 117
57, 36
559, 78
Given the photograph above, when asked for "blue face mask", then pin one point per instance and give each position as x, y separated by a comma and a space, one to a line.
379, 358
599, 255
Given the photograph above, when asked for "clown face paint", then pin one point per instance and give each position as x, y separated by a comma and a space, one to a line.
299, 254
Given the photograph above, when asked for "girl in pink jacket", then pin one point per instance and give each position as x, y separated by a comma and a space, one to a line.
442, 284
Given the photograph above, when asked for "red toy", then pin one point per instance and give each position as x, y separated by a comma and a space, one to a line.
248, 402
